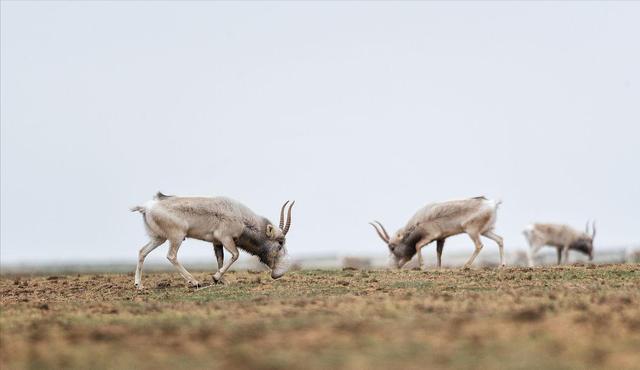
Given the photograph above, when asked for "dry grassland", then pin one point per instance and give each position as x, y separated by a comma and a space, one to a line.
581, 316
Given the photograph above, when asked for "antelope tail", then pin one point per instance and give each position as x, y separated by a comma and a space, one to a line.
140, 209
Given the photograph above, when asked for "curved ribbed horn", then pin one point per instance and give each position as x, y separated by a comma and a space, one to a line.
286, 227
593, 231
383, 230
282, 215
380, 234
586, 228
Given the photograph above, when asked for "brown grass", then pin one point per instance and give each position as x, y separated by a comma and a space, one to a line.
555, 318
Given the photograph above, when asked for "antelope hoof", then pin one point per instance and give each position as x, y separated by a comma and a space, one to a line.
219, 280
139, 286
466, 268
194, 284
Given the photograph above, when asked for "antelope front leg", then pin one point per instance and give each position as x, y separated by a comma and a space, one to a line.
230, 246
565, 251
219, 251
419, 246
439, 248
531, 252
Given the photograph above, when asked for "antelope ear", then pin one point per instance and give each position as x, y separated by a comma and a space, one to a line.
271, 232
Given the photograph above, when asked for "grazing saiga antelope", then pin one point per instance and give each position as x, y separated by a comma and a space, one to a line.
563, 237
438, 221
222, 221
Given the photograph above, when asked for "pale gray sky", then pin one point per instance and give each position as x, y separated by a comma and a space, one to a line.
357, 110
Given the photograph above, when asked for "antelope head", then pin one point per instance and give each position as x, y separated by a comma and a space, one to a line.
276, 256
584, 244
402, 250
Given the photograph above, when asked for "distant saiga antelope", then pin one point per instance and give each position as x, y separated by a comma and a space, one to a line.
221, 221
437, 221
562, 237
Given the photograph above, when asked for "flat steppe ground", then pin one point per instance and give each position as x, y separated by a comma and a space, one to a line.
581, 316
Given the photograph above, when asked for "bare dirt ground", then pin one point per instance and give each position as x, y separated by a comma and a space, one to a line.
556, 318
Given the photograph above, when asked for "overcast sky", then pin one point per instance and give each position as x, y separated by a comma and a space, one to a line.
356, 110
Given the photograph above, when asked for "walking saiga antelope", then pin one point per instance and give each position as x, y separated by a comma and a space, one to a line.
222, 221
563, 237
438, 221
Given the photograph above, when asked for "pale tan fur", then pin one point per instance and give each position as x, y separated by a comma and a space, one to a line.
560, 236
441, 220
438, 221
218, 220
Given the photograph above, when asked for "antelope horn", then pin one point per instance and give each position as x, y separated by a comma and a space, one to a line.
593, 227
380, 234
383, 230
282, 215
586, 228
286, 227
